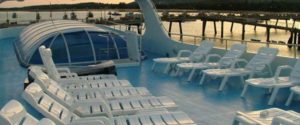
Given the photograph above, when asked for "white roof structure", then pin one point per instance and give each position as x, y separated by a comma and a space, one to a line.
34, 35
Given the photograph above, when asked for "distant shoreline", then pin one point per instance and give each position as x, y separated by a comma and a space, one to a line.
160, 10
223, 6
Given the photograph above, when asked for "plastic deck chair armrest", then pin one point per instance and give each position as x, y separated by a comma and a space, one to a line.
282, 121
182, 52
237, 61
256, 65
241, 61
210, 56
63, 70
231, 60
280, 69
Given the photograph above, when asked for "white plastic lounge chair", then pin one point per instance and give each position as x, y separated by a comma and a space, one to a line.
236, 51
196, 56
273, 116
79, 84
62, 115
48, 85
258, 65
13, 113
55, 111
53, 72
275, 83
86, 106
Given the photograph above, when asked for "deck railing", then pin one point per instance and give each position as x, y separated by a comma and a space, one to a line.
286, 50
293, 51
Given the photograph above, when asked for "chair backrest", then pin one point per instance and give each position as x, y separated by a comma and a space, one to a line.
205, 47
37, 73
46, 56
13, 113
294, 76
52, 89
265, 56
53, 110
236, 51
50, 108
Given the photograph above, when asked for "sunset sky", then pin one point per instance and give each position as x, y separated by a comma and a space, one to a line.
39, 2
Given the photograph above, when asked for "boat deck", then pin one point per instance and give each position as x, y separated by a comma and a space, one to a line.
204, 104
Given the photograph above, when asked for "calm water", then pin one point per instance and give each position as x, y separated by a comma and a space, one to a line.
190, 28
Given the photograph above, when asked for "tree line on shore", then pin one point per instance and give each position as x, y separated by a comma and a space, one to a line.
275, 6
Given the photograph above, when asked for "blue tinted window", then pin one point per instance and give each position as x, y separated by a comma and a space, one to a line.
59, 51
79, 46
101, 45
121, 45
36, 57
105, 47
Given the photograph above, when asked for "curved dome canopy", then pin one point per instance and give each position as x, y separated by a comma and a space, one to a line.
71, 41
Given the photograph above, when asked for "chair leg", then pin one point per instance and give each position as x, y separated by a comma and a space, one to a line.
191, 74
202, 79
244, 90
270, 90
167, 68
242, 79
153, 66
223, 83
178, 71
289, 100
273, 96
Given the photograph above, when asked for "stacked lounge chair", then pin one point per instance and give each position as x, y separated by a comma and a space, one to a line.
103, 101
107, 92
90, 106
196, 56
273, 116
65, 110
236, 51
36, 71
62, 115
13, 113
259, 64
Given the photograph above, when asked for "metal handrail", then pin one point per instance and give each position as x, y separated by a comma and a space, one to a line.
226, 41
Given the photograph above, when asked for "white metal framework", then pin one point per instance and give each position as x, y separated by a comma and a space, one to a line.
35, 35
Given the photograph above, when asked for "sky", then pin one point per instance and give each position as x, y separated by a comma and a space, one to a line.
40, 2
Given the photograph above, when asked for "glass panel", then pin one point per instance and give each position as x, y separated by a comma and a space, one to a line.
112, 49
101, 45
59, 51
122, 46
36, 58
79, 46
105, 48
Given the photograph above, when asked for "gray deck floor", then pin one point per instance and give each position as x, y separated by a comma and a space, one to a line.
204, 104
